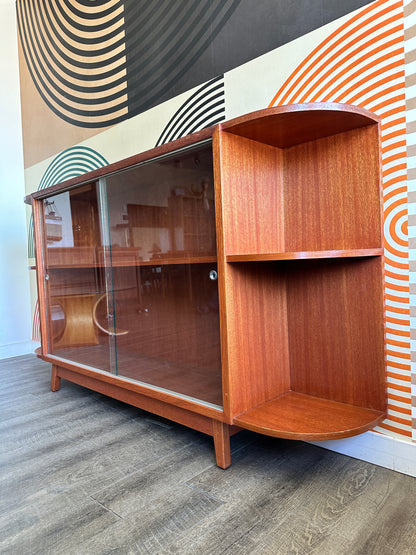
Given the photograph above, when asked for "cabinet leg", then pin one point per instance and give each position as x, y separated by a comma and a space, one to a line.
55, 379
221, 433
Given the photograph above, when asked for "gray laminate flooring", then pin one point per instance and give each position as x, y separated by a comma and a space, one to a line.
84, 474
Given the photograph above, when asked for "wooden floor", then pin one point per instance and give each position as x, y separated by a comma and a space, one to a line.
84, 474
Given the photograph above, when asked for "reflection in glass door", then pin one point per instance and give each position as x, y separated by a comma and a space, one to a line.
80, 316
164, 274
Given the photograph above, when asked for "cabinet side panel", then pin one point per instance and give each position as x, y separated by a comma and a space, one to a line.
336, 330
43, 296
251, 181
332, 192
257, 334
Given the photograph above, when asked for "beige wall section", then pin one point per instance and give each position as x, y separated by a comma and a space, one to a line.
44, 133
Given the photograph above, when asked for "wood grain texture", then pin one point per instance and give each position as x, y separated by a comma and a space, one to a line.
222, 267
252, 196
198, 383
79, 325
42, 290
312, 503
332, 193
301, 255
336, 330
286, 126
257, 335
165, 403
55, 379
298, 416
221, 435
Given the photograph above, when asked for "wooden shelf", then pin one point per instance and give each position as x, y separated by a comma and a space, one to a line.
171, 260
304, 417
125, 263
303, 255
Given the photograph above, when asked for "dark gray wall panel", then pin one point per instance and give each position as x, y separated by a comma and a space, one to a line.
174, 45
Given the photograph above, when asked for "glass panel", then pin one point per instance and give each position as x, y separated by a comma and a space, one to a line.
163, 248
80, 312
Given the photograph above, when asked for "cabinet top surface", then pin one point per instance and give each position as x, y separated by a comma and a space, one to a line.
281, 126
286, 126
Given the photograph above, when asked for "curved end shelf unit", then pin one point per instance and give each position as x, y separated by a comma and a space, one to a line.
296, 243
304, 417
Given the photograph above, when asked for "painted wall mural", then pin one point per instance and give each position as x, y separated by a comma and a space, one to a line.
204, 108
95, 65
104, 80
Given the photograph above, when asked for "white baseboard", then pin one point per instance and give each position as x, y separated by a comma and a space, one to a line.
389, 452
17, 349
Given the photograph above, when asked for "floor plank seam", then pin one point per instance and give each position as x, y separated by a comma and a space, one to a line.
106, 508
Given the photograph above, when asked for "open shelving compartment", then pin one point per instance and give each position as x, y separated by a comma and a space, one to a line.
303, 275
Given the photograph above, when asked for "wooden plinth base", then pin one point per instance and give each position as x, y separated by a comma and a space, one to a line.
133, 394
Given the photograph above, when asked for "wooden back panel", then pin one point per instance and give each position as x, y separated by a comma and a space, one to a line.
336, 330
332, 192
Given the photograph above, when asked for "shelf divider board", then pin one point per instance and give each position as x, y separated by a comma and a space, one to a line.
73, 258
303, 255
304, 417
252, 195
258, 343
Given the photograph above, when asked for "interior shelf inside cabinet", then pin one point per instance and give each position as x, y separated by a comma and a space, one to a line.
299, 416
73, 257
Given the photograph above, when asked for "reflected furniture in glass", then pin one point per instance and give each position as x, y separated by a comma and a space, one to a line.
230, 279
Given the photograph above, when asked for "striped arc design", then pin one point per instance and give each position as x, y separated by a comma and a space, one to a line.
362, 63
204, 108
75, 53
69, 163
410, 59
98, 63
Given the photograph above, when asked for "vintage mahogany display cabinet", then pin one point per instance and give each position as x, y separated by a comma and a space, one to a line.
230, 279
